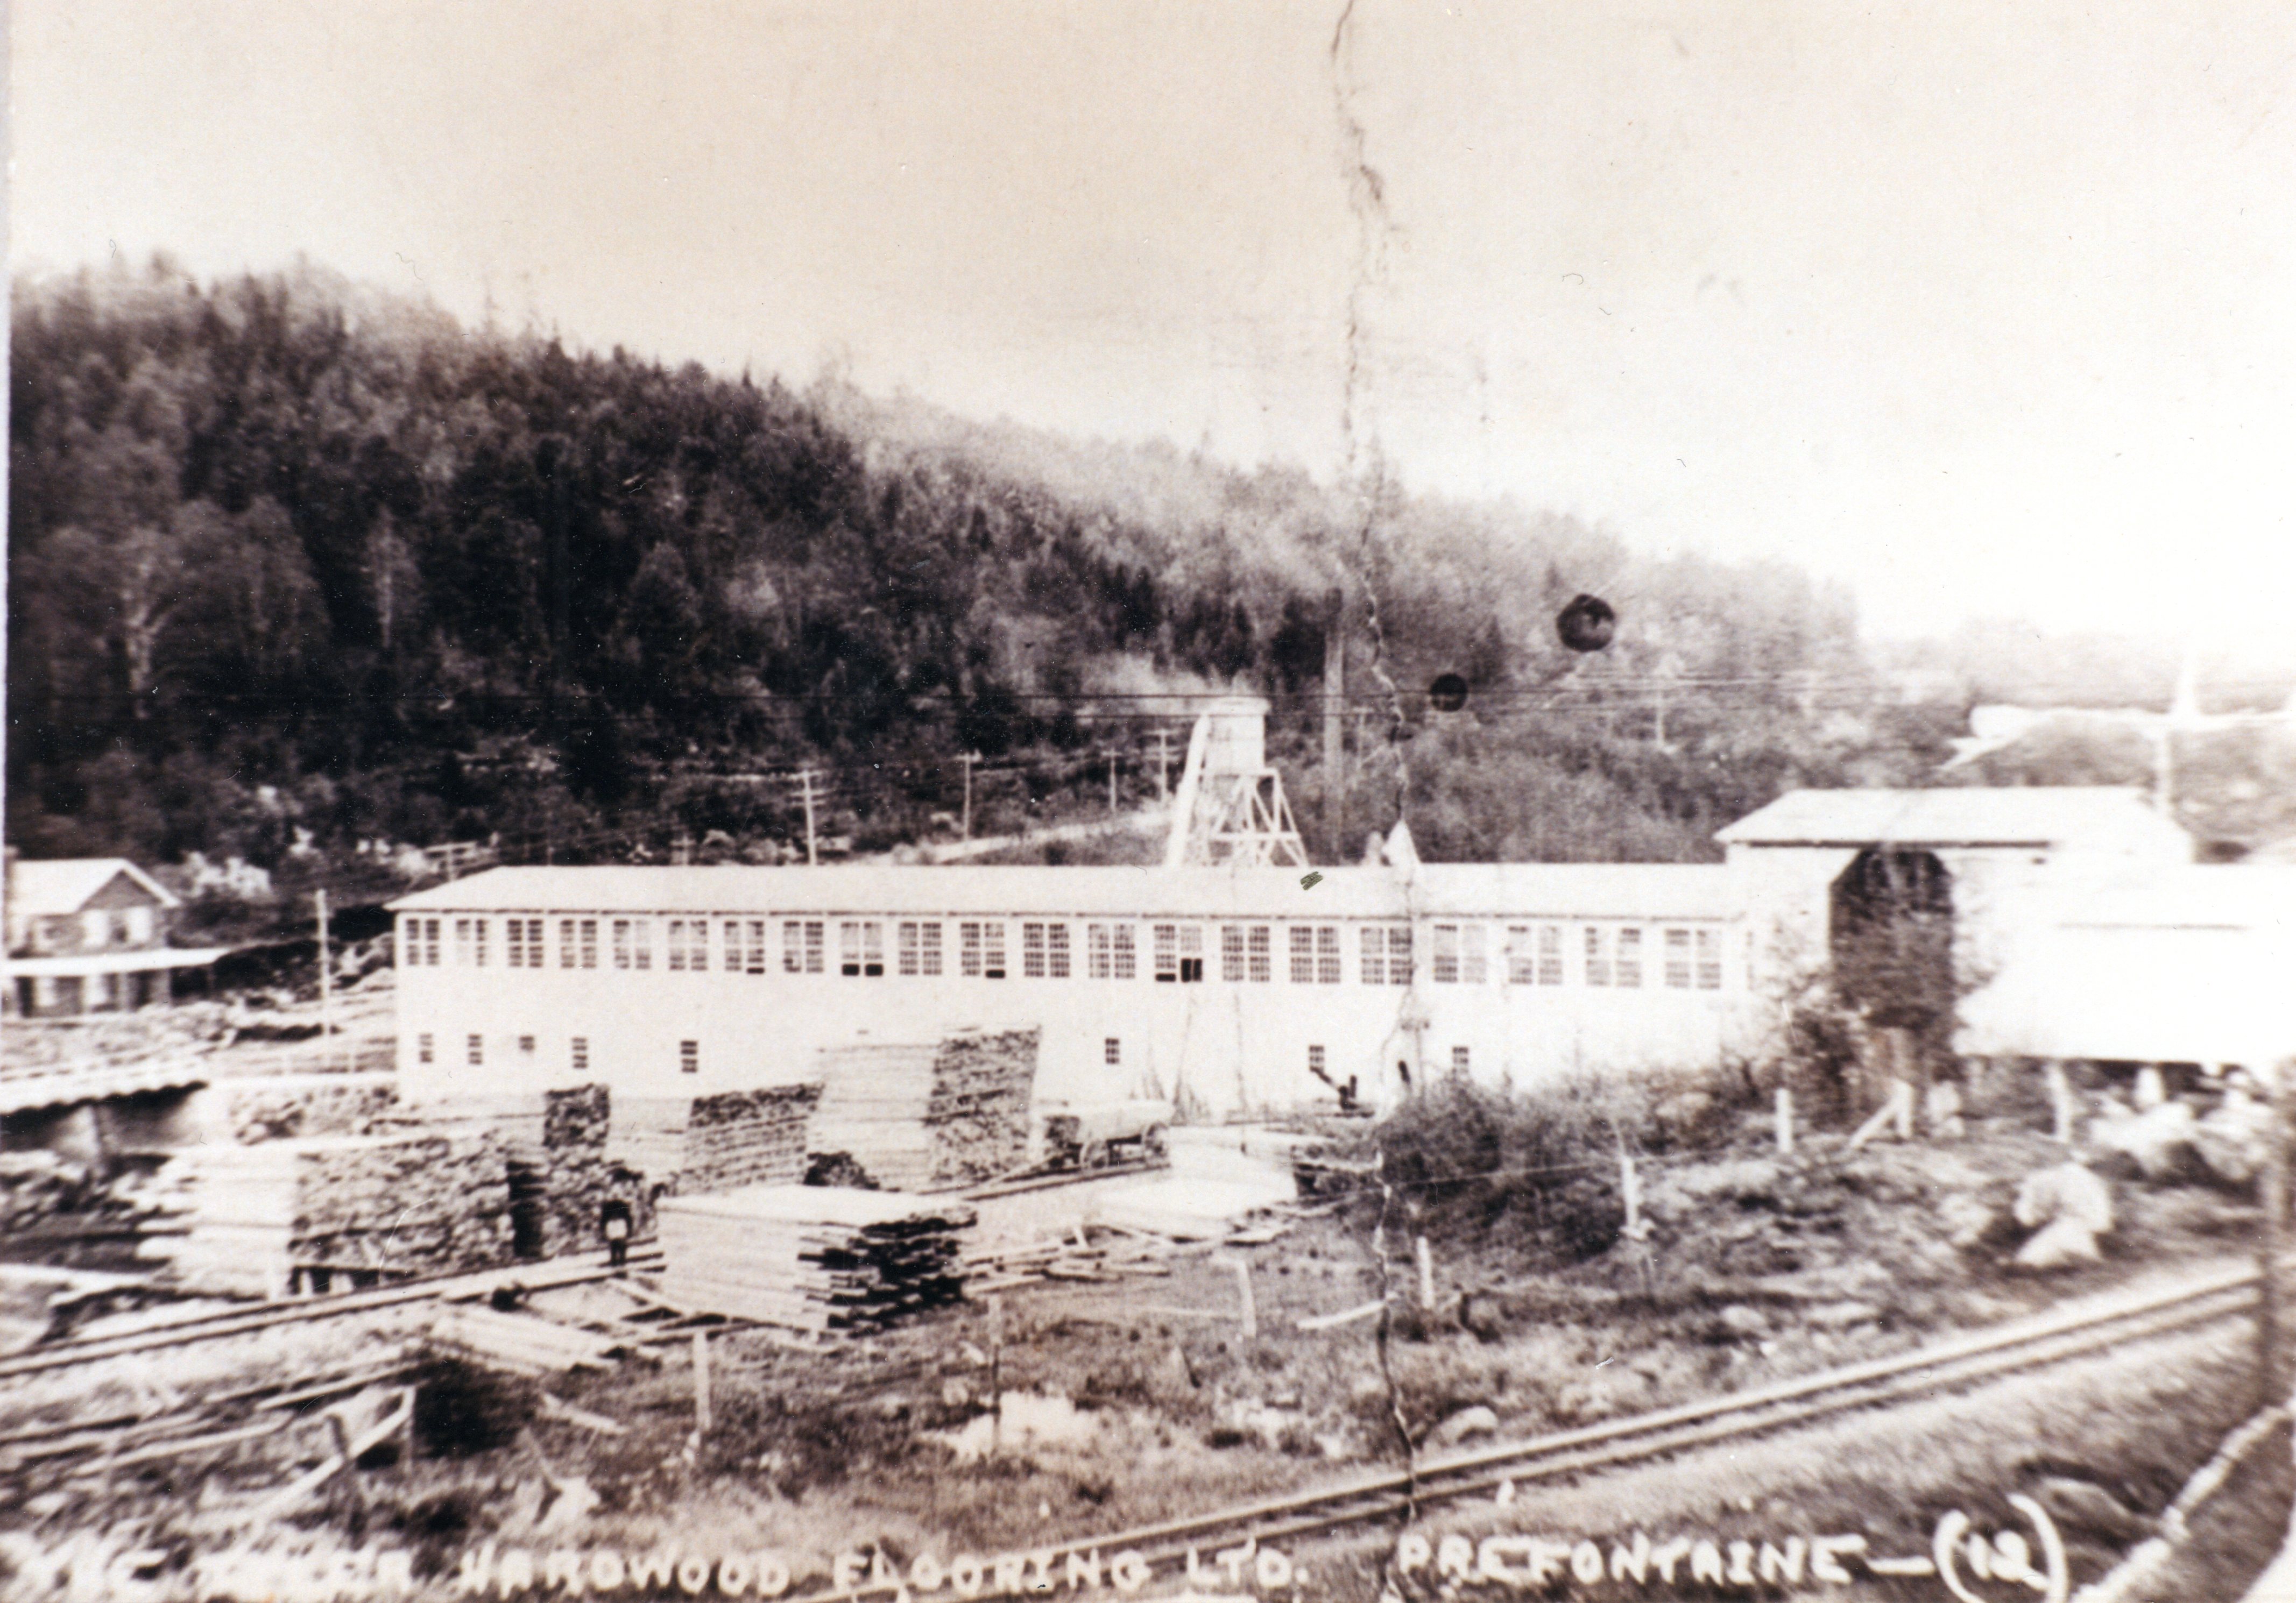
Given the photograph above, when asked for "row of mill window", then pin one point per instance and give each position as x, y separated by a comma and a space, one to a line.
1547, 953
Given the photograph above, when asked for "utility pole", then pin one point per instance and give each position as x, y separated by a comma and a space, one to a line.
1163, 761
812, 856
969, 759
326, 976
1111, 782
1335, 690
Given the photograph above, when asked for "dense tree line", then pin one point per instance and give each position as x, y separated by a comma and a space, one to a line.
286, 555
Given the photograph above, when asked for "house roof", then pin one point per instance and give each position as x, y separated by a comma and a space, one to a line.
63, 885
2035, 815
1640, 890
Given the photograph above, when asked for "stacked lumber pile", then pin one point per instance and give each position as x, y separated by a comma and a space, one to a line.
425, 1203
747, 1138
281, 1107
982, 1086
872, 1112
918, 1117
814, 1258
578, 1177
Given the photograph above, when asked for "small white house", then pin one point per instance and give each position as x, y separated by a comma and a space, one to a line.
89, 935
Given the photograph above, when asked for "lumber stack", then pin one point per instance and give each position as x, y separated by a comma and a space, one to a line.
249, 1215
916, 1117
814, 1258
747, 1138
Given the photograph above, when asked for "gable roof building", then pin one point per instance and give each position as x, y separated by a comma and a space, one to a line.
89, 934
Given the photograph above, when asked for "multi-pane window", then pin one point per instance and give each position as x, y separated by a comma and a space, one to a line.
1521, 955
1314, 954
471, 943
1316, 1064
921, 949
1045, 951
1629, 968
421, 941
474, 1050
745, 945
581, 1054
423, 1048
1709, 960
1598, 955
1112, 1051
1550, 954
522, 943
577, 943
1232, 954
1459, 1061
525, 1046
861, 947
1258, 963
630, 947
980, 949
1386, 954
801, 946
689, 945
689, 1057
1459, 954
1677, 960
1109, 952
1179, 953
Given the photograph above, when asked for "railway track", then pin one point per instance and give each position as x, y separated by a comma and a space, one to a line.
1945, 1366
232, 1322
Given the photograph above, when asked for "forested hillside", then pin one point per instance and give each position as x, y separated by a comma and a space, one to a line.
287, 557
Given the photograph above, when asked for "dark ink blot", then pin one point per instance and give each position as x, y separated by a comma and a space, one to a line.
1310, 881
1586, 624
1447, 694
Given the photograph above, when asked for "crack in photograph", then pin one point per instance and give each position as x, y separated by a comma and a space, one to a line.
1366, 803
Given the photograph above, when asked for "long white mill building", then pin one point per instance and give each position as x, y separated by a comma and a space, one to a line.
1223, 978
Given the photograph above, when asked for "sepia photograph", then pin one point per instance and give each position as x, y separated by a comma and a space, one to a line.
1086, 800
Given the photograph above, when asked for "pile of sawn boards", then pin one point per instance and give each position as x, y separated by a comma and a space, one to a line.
817, 1259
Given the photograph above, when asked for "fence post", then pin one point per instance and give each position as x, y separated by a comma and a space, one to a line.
1785, 1122
700, 1384
997, 1375
2061, 1101
1426, 1274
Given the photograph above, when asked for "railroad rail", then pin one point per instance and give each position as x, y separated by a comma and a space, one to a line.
242, 1321
1964, 1361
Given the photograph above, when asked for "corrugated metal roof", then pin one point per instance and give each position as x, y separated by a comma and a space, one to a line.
39, 886
2034, 815
1640, 890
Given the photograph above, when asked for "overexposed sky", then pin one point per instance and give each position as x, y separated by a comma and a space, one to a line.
1984, 308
